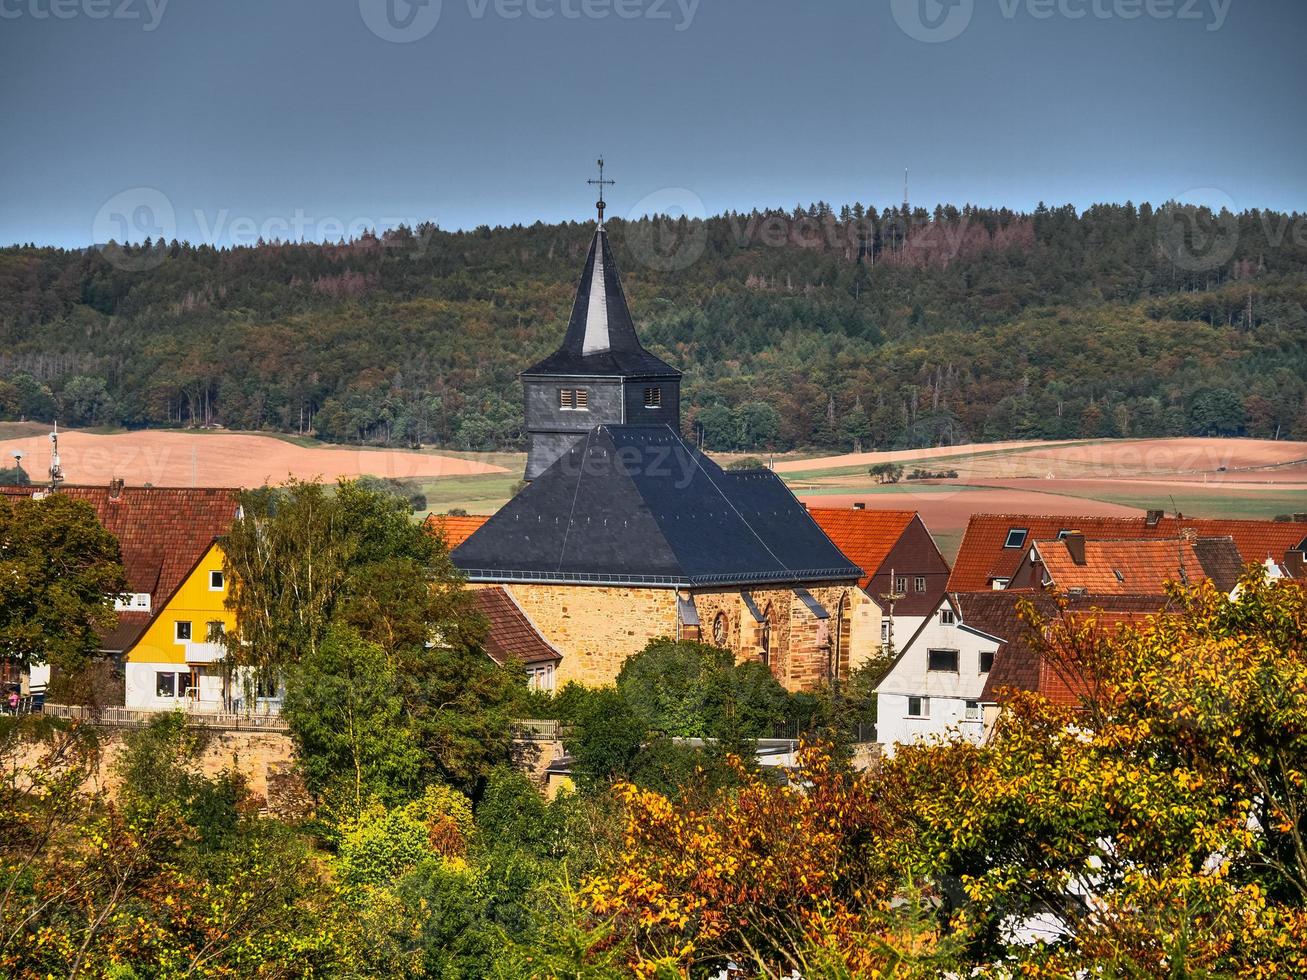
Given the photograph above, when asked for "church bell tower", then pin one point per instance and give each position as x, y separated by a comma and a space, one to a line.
601, 375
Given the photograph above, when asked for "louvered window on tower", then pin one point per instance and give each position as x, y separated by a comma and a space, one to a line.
653, 398
574, 399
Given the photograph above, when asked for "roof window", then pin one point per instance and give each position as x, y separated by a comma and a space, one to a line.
1016, 537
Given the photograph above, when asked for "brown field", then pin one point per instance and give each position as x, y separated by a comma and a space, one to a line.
1242, 478
222, 459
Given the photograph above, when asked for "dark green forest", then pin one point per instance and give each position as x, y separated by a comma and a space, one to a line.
817, 327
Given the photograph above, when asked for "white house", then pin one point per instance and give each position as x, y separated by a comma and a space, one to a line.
934, 686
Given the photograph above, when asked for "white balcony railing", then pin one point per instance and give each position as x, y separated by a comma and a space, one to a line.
205, 653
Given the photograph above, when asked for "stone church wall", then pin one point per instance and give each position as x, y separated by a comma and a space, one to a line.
596, 627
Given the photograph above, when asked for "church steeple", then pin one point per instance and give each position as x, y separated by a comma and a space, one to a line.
601, 375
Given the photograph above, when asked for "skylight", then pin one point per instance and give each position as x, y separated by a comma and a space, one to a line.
1016, 537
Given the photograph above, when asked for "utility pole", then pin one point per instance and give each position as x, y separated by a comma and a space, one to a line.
891, 597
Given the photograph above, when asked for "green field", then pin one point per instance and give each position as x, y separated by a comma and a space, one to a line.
1245, 504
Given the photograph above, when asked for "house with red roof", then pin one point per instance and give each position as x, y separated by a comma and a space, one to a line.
904, 572
1076, 565
995, 545
164, 649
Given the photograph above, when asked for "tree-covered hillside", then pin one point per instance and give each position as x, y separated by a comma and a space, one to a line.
817, 327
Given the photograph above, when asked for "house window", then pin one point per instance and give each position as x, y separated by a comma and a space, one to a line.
884, 631
973, 711
920, 583
265, 687
999, 584
182, 630
215, 630
215, 581
918, 707
942, 660
901, 585
132, 602
1016, 537
172, 684
947, 617
653, 398
986, 661
540, 678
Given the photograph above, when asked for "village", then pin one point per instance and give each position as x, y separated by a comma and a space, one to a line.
624, 534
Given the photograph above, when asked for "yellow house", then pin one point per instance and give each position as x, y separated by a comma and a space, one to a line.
178, 656
168, 538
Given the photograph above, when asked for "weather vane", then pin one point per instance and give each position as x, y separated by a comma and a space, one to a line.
600, 183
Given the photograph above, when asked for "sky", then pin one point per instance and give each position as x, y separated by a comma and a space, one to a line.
220, 120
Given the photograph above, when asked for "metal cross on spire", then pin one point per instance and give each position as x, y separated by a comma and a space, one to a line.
601, 183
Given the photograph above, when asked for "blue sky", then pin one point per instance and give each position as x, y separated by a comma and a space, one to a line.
221, 120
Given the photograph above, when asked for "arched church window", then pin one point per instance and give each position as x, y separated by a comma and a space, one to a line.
719, 630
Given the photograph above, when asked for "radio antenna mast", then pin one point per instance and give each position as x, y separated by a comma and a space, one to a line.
56, 468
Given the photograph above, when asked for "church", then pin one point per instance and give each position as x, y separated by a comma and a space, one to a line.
625, 532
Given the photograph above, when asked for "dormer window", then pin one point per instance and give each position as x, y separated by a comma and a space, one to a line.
1016, 538
653, 398
574, 399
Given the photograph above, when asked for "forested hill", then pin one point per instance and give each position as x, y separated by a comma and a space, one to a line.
814, 327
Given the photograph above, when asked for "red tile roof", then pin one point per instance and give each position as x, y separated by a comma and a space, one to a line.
1020, 662
865, 536
1122, 567
457, 528
162, 532
983, 557
512, 635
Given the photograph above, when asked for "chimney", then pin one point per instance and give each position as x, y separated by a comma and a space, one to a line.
1075, 546
115, 489
859, 506
1154, 518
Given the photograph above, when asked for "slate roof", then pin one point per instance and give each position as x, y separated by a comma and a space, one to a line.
601, 338
512, 635
162, 533
456, 528
865, 536
637, 505
983, 557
